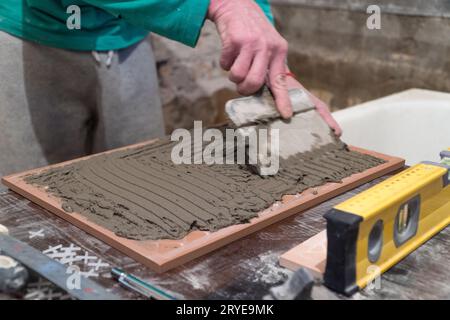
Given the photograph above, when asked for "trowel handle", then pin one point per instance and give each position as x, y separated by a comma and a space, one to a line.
250, 110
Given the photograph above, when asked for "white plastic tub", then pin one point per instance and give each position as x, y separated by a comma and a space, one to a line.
413, 124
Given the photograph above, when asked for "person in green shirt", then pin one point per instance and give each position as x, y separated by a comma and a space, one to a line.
78, 76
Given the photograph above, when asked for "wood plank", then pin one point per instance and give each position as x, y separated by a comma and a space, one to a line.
162, 255
311, 254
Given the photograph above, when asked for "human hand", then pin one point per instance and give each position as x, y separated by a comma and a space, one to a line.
321, 106
252, 49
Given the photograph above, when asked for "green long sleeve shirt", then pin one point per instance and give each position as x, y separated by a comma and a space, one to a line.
105, 24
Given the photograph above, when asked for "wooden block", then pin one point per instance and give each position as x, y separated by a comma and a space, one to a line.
162, 255
311, 254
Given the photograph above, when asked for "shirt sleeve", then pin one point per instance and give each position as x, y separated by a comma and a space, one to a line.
265, 6
179, 20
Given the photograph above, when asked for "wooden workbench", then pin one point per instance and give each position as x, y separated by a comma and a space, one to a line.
245, 269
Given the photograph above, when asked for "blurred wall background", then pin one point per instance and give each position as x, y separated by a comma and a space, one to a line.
332, 52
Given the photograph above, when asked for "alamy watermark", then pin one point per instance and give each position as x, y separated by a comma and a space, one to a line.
374, 273
239, 146
374, 20
73, 22
73, 281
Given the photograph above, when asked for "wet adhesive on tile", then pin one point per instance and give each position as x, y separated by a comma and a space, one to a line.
140, 194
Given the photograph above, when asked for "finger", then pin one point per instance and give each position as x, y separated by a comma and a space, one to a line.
324, 112
228, 56
321, 106
241, 66
256, 77
278, 85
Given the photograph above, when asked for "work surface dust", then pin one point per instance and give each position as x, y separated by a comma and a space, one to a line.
140, 194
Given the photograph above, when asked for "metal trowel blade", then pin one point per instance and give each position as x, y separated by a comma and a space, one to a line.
305, 131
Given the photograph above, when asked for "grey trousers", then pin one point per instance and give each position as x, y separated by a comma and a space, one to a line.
57, 105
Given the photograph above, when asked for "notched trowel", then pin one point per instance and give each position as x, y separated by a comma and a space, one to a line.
305, 131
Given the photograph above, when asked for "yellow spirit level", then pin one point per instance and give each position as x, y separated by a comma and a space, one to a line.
380, 226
